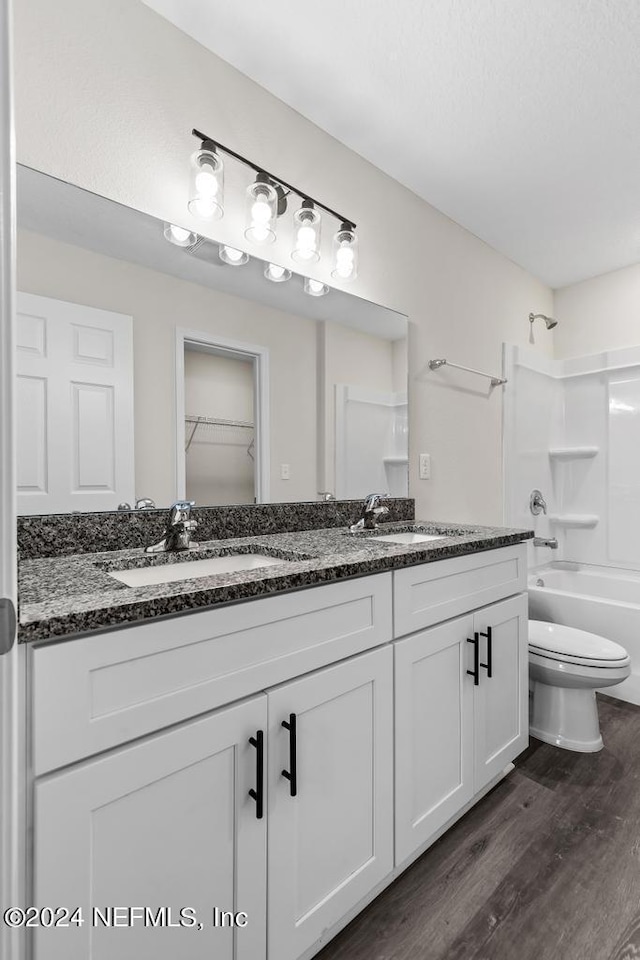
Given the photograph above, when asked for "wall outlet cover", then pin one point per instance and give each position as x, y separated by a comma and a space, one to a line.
425, 466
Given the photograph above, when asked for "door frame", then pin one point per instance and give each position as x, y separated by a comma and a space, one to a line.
11, 840
237, 349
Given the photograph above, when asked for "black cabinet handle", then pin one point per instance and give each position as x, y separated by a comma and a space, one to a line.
475, 673
488, 665
258, 793
292, 773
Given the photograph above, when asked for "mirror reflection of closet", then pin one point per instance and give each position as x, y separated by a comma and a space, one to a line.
219, 426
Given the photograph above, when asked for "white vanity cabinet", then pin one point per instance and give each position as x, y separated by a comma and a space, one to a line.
347, 709
331, 823
461, 715
166, 822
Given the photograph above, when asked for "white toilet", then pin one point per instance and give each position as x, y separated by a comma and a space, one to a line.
566, 667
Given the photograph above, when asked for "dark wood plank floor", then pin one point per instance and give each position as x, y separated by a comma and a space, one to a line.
545, 867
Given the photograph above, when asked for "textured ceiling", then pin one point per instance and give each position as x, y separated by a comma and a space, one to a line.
519, 119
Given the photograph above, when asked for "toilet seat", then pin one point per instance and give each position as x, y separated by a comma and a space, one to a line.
555, 641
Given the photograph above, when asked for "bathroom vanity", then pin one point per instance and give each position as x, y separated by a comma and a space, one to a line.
280, 753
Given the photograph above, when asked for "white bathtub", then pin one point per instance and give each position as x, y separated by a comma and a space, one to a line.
603, 600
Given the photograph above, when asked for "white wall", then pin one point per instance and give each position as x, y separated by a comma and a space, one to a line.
599, 314
106, 97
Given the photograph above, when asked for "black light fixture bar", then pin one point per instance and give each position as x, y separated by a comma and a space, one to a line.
304, 196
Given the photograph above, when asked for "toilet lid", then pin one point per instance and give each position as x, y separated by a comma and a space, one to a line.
576, 646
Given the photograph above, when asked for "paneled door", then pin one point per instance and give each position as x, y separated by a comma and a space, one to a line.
169, 824
74, 407
330, 797
433, 731
501, 701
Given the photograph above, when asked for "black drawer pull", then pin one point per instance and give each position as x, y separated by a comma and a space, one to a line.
258, 793
292, 773
475, 673
488, 665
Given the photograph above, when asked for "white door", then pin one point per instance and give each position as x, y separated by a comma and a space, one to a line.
167, 822
433, 731
331, 842
74, 407
501, 702
11, 844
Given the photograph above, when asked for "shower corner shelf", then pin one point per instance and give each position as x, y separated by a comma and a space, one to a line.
573, 453
584, 520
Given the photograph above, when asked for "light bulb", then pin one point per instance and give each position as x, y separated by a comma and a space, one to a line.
307, 224
206, 183
276, 273
232, 255
260, 212
179, 236
261, 207
306, 240
345, 253
315, 288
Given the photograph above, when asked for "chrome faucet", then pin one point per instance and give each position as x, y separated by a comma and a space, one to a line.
371, 509
537, 503
551, 542
177, 535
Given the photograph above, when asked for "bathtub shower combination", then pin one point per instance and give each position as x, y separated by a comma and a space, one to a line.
571, 431
601, 600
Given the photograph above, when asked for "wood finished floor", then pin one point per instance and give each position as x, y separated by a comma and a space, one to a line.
545, 867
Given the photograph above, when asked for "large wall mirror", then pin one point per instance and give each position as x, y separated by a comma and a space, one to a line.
152, 371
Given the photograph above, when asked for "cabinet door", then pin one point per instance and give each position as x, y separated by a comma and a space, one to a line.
433, 731
168, 823
501, 699
332, 842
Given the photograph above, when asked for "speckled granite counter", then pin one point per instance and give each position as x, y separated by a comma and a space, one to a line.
66, 596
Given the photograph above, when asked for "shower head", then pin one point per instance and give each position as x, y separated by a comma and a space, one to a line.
549, 321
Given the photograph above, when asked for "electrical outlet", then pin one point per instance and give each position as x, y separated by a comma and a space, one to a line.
285, 471
425, 466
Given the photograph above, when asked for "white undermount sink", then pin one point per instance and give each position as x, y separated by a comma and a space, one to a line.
190, 569
410, 537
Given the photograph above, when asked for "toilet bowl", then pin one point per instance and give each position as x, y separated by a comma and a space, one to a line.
566, 667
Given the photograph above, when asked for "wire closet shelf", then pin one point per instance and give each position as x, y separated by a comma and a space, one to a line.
217, 430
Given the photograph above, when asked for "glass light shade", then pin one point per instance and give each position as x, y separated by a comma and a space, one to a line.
276, 273
345, 254
315, 288
206, 189
261, 211
179, 236
306, 235
232, 256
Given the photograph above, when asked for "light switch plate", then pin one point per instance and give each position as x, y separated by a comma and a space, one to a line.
425, 466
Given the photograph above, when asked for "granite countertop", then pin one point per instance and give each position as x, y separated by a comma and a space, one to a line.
61, 597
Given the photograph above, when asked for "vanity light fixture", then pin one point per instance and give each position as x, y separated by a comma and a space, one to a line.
206, 191
276, 273
266, 201
179, 236
345, 253
232, 256
315, 288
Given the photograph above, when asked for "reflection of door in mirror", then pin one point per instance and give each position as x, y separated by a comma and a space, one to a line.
219, 427
74, 394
